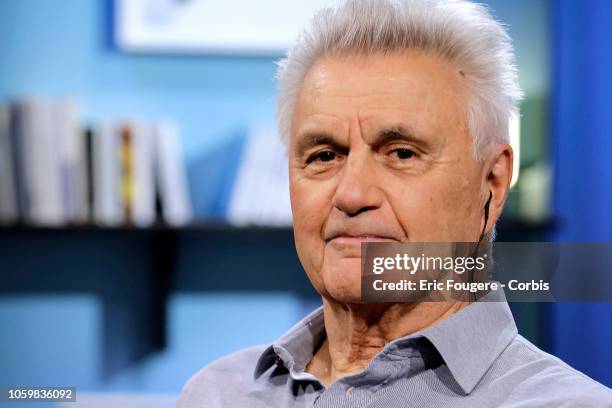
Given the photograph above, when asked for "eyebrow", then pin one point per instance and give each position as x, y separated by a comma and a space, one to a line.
399, 134
310, 140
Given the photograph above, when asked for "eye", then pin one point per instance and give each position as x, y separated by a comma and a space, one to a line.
403, 153
324, 156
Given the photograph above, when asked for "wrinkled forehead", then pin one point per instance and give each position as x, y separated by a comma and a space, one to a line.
412, 90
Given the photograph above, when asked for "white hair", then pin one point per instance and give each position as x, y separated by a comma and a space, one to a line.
460, 31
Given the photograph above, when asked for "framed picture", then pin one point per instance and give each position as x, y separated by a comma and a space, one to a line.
241, 27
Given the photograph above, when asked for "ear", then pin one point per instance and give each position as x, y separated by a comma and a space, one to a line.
498, 176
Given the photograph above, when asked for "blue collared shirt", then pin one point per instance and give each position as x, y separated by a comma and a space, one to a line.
474, 358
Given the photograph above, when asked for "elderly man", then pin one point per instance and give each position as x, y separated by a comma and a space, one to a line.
396, 118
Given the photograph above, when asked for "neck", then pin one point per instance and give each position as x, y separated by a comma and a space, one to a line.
357, 333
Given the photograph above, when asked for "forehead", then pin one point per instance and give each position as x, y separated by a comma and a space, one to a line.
414, 89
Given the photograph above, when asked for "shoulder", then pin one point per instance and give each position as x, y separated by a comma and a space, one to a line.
225, 375
543, 380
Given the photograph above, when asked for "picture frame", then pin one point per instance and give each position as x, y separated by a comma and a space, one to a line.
235, 27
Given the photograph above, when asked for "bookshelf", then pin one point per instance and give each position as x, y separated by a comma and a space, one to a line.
133, 271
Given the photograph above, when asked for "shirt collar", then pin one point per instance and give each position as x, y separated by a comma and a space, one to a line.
469, 341
472, 339
296, 347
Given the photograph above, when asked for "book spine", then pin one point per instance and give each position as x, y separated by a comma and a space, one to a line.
72, 162
20, 168
143, 185
171, 175
107, 208
8, 190
88, 136
126, 185
41, 159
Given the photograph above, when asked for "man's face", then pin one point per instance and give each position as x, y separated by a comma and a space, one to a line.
379, 151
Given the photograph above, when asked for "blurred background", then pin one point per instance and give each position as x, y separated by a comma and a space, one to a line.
145, 220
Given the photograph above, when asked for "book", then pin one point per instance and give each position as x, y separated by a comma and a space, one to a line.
38, 161
260, 194
142, 183
88, 136
107, 200
71, 161
8, 190
176, 208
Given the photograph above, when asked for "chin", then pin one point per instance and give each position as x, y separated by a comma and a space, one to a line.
342, 281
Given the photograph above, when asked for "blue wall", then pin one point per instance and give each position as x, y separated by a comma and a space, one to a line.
64, 48
57, 340
582, 149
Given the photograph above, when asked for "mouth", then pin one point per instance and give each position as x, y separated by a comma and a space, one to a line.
358, 239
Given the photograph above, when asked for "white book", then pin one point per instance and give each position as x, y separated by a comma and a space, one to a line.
8, 189
143, 182
107, 203
172, 175
72, 161
260, 195
277, 205
41, 162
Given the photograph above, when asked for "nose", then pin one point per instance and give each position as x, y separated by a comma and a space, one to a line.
358, 190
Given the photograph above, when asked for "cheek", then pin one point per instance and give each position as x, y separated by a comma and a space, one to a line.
458, 211
435, 209
310, 205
